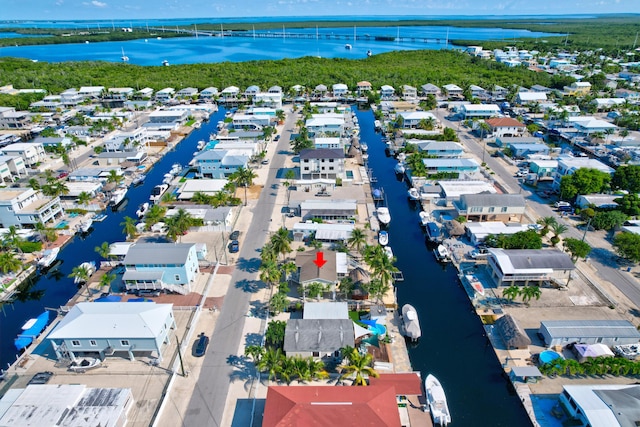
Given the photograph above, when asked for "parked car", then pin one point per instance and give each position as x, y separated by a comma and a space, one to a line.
234, 235
277, 138
41, 378
63, 175
561, 204
234, 246
201, 345
265, 161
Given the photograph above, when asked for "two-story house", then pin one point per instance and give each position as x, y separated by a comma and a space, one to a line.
171, 267
251, 121
12, 165
578, 89
187, 93
414, 119
340, 90
219, 164
165, 95
524, 267
209, 92
387, 92
409, 93
459, 166
439, 149
505, 126
32, 153
268, 100
25, 207
325, 125
452, 90
134, 140
363, 88
230, 93
430, 89
567, 165
12, 119
478, 111
322, 163
166, 119
491, 207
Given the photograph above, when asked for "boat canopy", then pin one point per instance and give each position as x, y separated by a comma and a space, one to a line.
28, 335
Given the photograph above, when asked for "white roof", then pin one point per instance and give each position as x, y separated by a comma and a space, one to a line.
324, 121
113, 320
532, 96
481, 107
451, 87
340, 86
326, 310
207, 186
594, 408
418, 115
483, 229
454, 189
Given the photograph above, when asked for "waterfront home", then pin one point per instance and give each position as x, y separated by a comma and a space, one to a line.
320, 90
453, 189
477, 91
220, 164
48, 103
322, 163
221, 217
144, 93
91, 91
165, 95
251, 91
12, 119
77, 187
331, 209
32, 153
65, 405
337, 406
430, 89
387, 92
322, 124
567, 165
607, 103
478, 111
118, 329
523, 150
438, 149
166, 120
100, 173
499, 93
543, 169
409, 93
71, 98
586, 125
326, 233
524, 267
318, 338
597, 201
491, 207
363, 88
12, 165
459, 166
127, 141
209, 92
530, 97
477, 232
206, 186
505, 141
120, 93
187, 93
251, 121
601, 405
588, 331
452, 91
340, 90
326, 310
413, 119
25, 207
110, 158
250, 147
332, 142
275, 89
505, 126
161, 266
577, 89
329, 275
268, 100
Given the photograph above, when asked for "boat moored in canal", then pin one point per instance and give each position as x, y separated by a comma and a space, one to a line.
48, 257
157, 192
117, 196
442, 253
383, 238
383, 215
30, 331
411, 323
437, 401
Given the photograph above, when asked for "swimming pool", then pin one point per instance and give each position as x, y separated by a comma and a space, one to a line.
547, 409
349, 174
549, 356
378, 329
62, 224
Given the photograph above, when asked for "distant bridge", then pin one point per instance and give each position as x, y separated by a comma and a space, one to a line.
293, 35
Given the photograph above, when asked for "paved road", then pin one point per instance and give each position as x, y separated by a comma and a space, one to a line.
207, 403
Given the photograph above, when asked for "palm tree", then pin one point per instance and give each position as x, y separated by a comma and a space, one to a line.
34, 184
154, 215
557, 229
359, 366
271, 362
278, 303
268, 253
357, 240
529, 292
178, 224
80, 273
281, 241
12, 239
243, 177
103, 250
255, 352
106, 279
84, 198
270, 273
129, 227
114, 178
9, 263
289, 176
381, 266
511, 293
546, 223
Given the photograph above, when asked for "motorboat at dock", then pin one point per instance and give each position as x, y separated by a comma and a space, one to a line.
433, 231
84, 226
442, 253
425, 218
383, 238
411, 323
117, 196
48, 257
475, 284
157, 192
142, 209
413, 194
383, 215
139, 179
399, 168
437, 401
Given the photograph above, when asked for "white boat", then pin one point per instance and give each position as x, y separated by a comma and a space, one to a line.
168, 179
369, 53
348, 46
364, 147
383, 215
48, 257
413, 194
157, 192
437, 401
475, 284
401, 157
142, 209
165, 63
383, 238
201, 144
85, 364
389, 252
85, 225
139, 179
377, 125
99, 217
175, 169
399, 168
90, 267
411, 324
442, 253
425, 218
117, 196
124, 57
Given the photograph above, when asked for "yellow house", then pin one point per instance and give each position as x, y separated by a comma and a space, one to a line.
578, 89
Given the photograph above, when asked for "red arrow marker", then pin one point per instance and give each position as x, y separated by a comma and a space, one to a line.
320, 261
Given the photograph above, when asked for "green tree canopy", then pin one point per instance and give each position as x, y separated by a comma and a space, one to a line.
577, 248
627, 178
584, 181
629, 204
608, 220
522, 240
628, 246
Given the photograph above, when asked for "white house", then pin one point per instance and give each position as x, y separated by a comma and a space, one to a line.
505, 127
412, 119
530, 97
322, 163
187, 93
27, 207
32, 153
479, 111
12, 165
340, 90
230, 93
601, 405
127, 141
268, 99
567, 165
409, 93
524, 267
452, 90
209, 92
387, 92
165, 95
220, 164
325, 125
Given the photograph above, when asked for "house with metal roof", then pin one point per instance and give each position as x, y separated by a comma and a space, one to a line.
453, 189
460, 166
530, 97
477, 232
523, 267
409, 93
430, 89
161, 266
326, 310
544, 169
412, 119
600, 201
478, 111
567, 165
452, 90
602, 405
387, 92
219, 164
320, 124
322, 232
322, 163
332, 209
597, 331
491, 207
439, 149
119, 329
318, 338
523, 150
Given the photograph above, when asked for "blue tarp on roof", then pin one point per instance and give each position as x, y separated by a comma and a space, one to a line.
28, 335
139, 300
110, 298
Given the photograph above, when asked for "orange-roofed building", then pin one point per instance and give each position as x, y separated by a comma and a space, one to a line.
406, 383
505, 127
322, 406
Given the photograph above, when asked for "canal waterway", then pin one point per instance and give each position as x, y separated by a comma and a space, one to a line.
56, 287
453, 346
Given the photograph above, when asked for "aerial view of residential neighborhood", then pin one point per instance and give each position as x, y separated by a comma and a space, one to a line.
400, 223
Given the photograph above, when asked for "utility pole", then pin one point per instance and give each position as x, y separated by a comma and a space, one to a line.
180, 357
586, 228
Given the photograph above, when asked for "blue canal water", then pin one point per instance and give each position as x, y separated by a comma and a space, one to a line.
205, 49
57, 286
453, 346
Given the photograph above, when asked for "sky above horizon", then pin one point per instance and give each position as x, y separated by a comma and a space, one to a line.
169, 9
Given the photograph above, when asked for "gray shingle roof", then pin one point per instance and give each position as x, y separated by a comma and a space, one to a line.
158, 253
322, 153
523, 259
319, 335
488, 200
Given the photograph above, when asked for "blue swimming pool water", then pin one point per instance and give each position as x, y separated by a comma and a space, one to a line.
378, 329
548, 356
543, 405
210, 145
349, 174
62, 224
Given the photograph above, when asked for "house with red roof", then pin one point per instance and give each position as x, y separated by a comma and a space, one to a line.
505, 127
